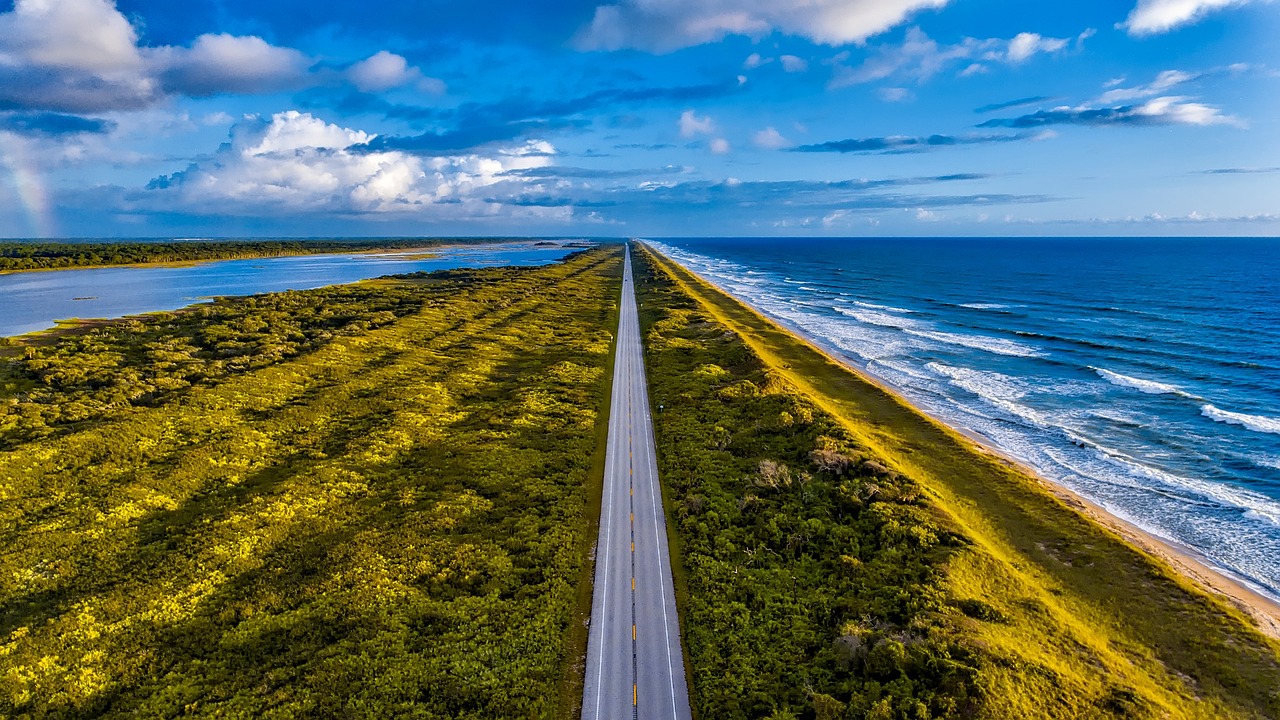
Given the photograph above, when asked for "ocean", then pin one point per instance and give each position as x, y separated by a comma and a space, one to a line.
1143, 374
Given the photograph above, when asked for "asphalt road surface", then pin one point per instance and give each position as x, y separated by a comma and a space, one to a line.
635, 668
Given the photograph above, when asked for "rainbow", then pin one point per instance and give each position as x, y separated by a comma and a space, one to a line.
29, 183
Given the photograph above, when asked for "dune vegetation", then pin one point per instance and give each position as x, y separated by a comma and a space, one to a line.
371, 501
839, 555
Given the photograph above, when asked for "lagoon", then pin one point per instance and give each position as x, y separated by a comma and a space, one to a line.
37, 300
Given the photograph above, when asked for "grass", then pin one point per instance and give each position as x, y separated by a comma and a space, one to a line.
1060, 617
330, 516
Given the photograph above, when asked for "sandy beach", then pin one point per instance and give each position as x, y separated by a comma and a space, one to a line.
1264, 610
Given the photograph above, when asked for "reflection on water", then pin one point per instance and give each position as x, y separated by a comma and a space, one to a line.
31, 301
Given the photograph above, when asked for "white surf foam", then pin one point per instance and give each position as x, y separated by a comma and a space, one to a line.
872, 317
873, 306
988, 306
1256, 423
998, 346
1151, 387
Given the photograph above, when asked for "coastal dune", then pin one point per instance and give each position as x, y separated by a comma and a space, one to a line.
1089, 614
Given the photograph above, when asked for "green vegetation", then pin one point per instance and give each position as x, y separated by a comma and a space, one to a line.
845, 557
370, 501
52, 255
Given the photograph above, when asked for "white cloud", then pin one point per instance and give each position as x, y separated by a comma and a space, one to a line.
895, 94
1163, 82
692, 126
720, 146
1178, 110
665, 25
793, 64
754, 61
86, 35
1152, 17
770, 139
84, 56
1024, 45
919, 57
217, 64
297, 162
385, 71
71, 55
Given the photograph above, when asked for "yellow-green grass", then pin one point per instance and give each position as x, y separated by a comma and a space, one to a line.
392, 522
1093, 626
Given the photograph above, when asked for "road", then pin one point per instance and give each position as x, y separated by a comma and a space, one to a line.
635, 667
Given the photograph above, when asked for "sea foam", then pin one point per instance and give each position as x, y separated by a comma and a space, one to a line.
1151, 387
998, 346
1256, 423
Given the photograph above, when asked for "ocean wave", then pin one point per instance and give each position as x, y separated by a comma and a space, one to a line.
888, 308
1125, 470
988, 306
871, 317
1150, 387
995, 389
1256, 423
1265, 461
998, 346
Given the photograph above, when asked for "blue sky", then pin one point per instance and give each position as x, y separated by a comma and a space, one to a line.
145, 118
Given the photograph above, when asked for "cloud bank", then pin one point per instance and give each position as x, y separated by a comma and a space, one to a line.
295, 162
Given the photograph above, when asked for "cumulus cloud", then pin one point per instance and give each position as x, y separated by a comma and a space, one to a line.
665, 25
71, 56
217, 64
385, 71
692, 126
770, 139
1152, 17
793, 64
83, 56
299, 163
1024, 45
720, 146
920, 57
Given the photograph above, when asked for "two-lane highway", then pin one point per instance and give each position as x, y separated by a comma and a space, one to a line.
635, 667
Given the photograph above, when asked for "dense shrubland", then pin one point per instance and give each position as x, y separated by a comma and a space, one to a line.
356, 502
812, 571
845, 557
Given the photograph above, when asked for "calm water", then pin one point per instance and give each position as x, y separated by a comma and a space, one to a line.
1144, 374
32, 301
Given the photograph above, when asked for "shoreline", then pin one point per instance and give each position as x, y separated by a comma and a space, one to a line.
1186, 562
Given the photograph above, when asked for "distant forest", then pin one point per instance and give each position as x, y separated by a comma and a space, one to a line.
52, 255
